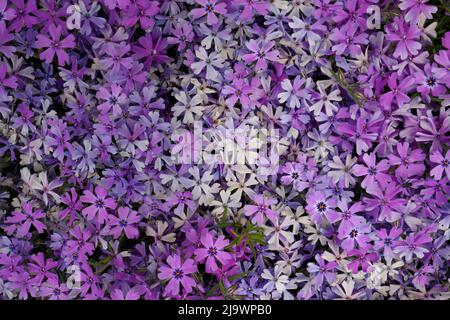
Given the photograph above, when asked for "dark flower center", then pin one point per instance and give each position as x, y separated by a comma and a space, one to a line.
321, 206
178, 273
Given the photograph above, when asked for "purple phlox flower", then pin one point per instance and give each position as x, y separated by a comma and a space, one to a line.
152, 48
210, 8
308, 28
355, 233
25, 218
443, 164
24, 14
25, 120
439, 254
113, 97
399, 90
90, 282
58, 138
293, 91
434, 130
363, 133
131, 294
238, 90
348, 216
182, 200
10, 264
6, 14
212, 251
430, 82
53, 12
407, 161
261, 209
423, 277
40, 268
372, 171
7, 80
322, 270
437, 190
364, 258
416, 9
387, 241
347, 40
5, 37
293, 172
252, 7
353, 11
117, 57
386, 203
413, 245
178, 272
99, 204
121, 4
182, 34
442, 59
319, 206
53, 290
405, 35
143, 11
55, 45
81, 243
23, 283
126, 222
261, 52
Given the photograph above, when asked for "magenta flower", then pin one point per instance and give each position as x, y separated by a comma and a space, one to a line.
387, 242
443, 165
99, 204
372, 171
131, 294
407, 161
143, 11
177, 272
113, 97
40, 268
261, 53
55, 45
322, 270
386, 203
347, 40
319, 206
212, 251
412, 246
356, 233
416, 8
405, 35
239, 90
261, 209
363, 259
210, 8
399, 90
126, 222
23, 220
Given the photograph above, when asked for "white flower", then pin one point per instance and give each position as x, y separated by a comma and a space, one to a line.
208, 61
188, 106
159, 235
41, 183
342, 171
227, 203
325, 100
277, 281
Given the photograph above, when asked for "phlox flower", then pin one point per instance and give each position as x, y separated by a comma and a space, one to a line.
178, 272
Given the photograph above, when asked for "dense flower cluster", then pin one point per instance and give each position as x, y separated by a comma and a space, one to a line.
99, 101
